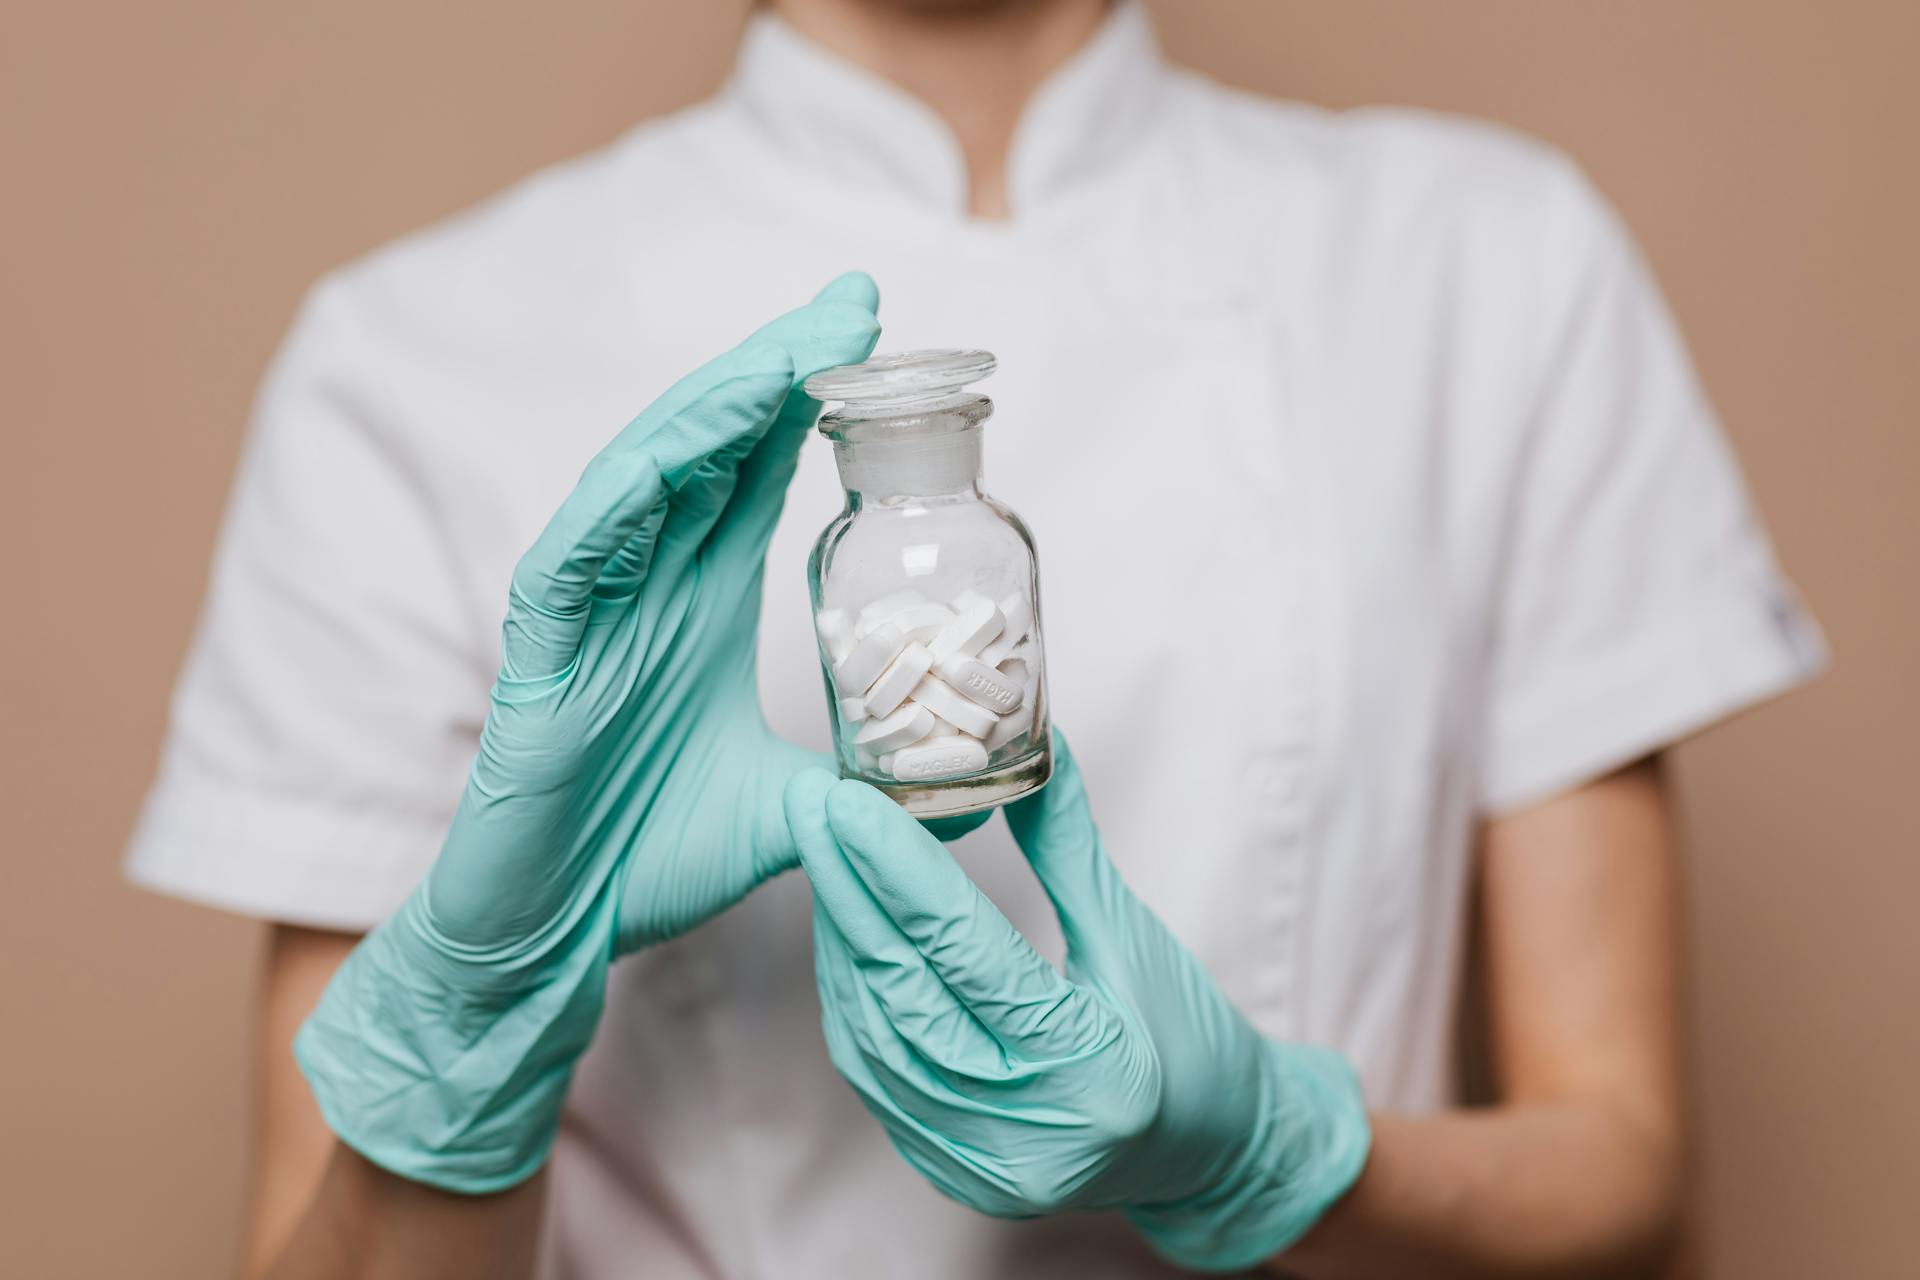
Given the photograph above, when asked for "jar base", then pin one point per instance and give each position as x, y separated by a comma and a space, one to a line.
950, 798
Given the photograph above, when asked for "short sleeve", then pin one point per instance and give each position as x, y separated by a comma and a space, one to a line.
1639, 600
322, 727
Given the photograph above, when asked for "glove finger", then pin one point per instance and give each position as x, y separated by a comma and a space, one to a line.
914, 1042
811, 334
692, 514
622, 575
856, 287
1024, 1001
658, 454
820, 335
743, 532
701, 500
1054, 829
553, 582
898, 995
891, 1075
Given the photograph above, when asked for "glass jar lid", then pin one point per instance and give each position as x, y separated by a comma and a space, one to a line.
902, 376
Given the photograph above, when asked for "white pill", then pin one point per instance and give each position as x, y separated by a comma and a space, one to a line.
941, 758
881, 610
1010, 727
937, 696
980, 682
922, 621
1019, 613
855, 673
897, 681
866, 760
966, 598
969, 631
836, 632
941, 729
853, 710
889, 733
1017, 670
995, 655
1002, 645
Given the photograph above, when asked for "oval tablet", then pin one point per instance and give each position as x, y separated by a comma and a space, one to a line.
1010, 728
961, 712
878, 611
897, 681
836, 632
921, 622
941, 758
996, 652
986, 686
969, 631
1026, 651
855, 673
853, 709
1019, 614
889, 733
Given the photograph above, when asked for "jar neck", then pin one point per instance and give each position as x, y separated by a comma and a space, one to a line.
914, 452
924, 467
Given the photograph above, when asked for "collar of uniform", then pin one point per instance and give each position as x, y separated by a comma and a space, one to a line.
870, 136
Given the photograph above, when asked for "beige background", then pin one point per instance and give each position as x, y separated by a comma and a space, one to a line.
172, 175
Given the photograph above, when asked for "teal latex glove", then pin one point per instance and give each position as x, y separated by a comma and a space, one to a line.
626, 787
1129, 1083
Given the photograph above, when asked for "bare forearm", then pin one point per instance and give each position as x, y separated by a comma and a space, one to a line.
1578, 1172
1536, 1189
366, 1224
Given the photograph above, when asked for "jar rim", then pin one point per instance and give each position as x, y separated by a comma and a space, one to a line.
902, 376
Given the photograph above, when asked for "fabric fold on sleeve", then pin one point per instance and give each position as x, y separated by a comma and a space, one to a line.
1681, 678
326, 715
1640, 600
288, 858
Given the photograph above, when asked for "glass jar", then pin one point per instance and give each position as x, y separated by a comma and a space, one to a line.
926, 597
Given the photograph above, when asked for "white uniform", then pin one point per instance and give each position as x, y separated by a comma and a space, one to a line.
1372, 424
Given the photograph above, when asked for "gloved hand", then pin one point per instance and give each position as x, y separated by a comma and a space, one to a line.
1130, 1083
626, 786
